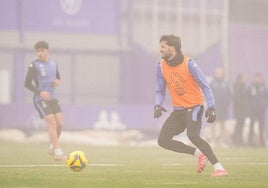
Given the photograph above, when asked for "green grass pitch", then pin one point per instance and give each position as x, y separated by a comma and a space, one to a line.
29, 165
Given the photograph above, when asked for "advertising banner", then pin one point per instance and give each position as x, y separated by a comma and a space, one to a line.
79, 16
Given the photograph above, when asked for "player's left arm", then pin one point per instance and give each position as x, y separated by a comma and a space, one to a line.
204, 85
202, 82
160, 92
57, 80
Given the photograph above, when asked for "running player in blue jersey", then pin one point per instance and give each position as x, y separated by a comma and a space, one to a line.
42, 78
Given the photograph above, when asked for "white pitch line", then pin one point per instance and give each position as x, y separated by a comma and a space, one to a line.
172, 164
256, 164
50, 165
173, 183
261, 164
28, 166
105, 164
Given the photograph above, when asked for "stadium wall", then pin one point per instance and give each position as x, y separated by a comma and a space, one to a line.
73, 42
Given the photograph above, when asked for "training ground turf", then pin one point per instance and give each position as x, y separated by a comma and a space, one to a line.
29, 165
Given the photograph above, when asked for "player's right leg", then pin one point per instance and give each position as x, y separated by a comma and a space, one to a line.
43, 109
174, 125
46, 113
201, 162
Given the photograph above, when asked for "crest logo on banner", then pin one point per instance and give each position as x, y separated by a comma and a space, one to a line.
71, 7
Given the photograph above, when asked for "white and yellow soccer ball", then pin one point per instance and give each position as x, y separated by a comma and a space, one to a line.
76, 161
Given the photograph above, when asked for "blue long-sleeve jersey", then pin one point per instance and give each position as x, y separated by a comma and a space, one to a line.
197, 74
41, 76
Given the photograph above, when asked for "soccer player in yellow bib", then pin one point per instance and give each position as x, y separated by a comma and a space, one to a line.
189, 89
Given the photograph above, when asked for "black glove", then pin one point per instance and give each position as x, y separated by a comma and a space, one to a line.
211, 115
158, 109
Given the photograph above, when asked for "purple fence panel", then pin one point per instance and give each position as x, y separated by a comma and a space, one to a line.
96, 17
9, 14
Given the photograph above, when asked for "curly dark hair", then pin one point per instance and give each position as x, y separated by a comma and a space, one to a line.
41, 44
172, 40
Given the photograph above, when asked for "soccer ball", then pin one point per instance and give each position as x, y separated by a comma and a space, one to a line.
76, 161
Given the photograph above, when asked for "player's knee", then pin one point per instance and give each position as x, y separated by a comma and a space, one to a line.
160, 141
60, 124
194, 138
50, 120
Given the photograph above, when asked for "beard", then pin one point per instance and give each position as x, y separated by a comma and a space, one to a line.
166, 56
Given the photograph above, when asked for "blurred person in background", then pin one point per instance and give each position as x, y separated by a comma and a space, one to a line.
241, 107
258, 98
42, 78
187, 86
223, 98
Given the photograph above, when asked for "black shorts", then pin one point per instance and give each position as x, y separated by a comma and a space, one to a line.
179, 120
45, 108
